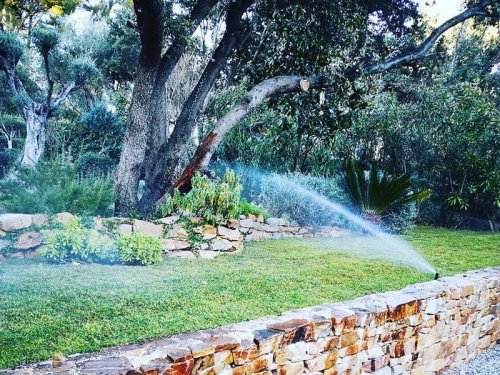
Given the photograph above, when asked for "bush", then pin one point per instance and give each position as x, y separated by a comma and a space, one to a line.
247, 208
400, 220
216, 200
53, 188
281, 199
93, 164
138, 248
7, 159
75, 242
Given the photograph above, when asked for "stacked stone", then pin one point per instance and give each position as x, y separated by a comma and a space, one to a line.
422, 329
257, 229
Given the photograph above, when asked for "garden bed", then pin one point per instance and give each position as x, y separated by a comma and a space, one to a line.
81, 308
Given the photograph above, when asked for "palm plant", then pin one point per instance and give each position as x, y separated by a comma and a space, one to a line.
375, 191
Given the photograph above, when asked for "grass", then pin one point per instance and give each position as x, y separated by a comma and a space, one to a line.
46, 308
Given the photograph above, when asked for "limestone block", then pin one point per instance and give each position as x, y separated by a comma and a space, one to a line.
228, 234
14, 222
181, 254
170, 244
64, 218
145, 227
220, 244
28, 240
169, 220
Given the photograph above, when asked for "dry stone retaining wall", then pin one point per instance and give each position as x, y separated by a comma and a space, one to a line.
173, 232
422, 329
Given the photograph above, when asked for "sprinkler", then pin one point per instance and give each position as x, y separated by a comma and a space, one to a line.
436, 276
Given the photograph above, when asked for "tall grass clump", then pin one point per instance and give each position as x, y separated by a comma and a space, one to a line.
56, 187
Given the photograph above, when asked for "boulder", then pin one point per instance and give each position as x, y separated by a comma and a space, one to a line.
270, 228
177, 231
233, 224
170, 244
196, 220
169, 220
63, 217
258, 236
40, 220
249, 223
145, 227
220, 244
14, 222
2, 233
28, 240
124, 228
207, 231
181, 254
276, 221
229, 234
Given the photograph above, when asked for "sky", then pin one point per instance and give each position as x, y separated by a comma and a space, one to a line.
440, 10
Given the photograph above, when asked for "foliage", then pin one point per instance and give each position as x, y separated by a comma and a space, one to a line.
75, 242
53, 188
247, 208
215, 199
282, 197
138, 248
91, 306
101, 119
400, 220
376, 191
45, 39
93, 164
82, 69
7, 159
11, 48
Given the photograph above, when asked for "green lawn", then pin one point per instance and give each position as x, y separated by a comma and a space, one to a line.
79, 308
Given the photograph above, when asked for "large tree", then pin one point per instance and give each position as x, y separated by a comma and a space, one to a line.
36, 109
331, 46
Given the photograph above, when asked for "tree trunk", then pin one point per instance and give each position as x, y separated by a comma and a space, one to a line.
164, 174
36, 119
9, 143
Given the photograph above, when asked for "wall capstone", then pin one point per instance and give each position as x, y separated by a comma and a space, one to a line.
422, 329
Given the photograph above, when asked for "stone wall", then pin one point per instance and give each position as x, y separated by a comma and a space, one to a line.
182, 238
423, 329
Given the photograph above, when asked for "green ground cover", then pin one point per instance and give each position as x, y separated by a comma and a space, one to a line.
47, 308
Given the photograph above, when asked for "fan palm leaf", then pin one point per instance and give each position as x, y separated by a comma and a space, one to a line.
376, 192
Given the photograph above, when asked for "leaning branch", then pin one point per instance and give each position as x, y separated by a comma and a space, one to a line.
422, 50
62, 96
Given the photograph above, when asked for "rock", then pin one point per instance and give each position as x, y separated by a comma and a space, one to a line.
178, 232
40, 220
145, 227
270, 228
196, 220
181, 254
64, 218
207, 254
169, 220
242, 217
14, 222
124, 228
277, 222
170, 244
4, 244
249, 223
2, 233
258, 236
221, 245
229, 234
17, 255
28, 240
233, 224
207, 231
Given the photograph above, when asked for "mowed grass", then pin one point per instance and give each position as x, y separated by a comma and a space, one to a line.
45, 309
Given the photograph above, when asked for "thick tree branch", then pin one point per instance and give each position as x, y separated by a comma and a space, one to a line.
425, 46
62, 96
50, 81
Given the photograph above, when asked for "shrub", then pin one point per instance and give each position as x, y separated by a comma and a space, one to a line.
281, 199
216, 200
400, 220
54, 187
247, 208
93, 164
7, 159
375, 192
138, 248
75, 242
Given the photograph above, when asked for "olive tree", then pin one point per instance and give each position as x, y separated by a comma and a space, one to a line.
36, 111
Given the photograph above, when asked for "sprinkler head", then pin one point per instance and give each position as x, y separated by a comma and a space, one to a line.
436, 276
